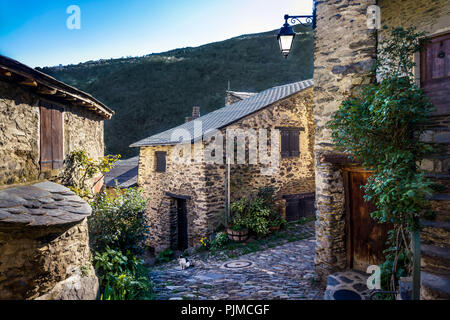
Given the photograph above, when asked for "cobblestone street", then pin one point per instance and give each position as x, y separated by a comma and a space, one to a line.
282, 272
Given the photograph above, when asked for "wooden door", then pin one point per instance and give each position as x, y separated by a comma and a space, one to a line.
182, 224
366, 239
51, 141
435, 72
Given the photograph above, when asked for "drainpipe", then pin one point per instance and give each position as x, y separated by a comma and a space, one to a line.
228, 192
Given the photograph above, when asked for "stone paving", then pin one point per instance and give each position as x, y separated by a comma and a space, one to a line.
282, 272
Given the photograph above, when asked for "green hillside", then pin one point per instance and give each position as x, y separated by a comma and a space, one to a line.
155, 92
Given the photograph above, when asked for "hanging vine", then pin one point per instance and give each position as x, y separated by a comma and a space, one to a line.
381, 129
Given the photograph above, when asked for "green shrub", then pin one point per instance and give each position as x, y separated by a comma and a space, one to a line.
164, 256
122, 276
119, 221
253, 214
219, 241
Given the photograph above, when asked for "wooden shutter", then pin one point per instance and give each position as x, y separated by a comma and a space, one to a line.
290, 142
435, 72
57, 138
46, 138
294, 143
285, 144
160, 161
52, 155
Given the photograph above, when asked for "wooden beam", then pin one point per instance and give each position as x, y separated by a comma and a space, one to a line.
28, 82
337, 158
5, 73
46, 90
178, 196
59, 94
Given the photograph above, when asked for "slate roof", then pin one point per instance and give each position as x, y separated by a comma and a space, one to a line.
125, 172
41, 204
241, 95
47, 86
228, 114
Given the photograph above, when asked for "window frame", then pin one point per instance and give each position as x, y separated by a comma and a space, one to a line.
292, 132
158, 166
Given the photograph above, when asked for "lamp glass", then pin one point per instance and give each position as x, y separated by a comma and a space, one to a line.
285, 42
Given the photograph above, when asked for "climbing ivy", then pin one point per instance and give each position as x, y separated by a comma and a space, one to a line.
380, 128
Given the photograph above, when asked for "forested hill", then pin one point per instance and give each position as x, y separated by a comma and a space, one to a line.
155, 92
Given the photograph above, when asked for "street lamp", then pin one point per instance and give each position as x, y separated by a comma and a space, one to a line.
286, 34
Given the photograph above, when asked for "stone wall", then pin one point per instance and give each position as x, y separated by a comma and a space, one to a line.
294, 175
343, 56
19, 134
429, 16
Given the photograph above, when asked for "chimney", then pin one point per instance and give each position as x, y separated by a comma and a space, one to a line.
229, 99
195, 113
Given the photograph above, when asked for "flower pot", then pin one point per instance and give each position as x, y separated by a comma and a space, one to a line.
237, 236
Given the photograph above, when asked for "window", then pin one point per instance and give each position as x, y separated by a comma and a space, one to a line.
290, 142
160, 161
51, 137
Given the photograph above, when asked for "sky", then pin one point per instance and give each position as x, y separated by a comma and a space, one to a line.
36, 32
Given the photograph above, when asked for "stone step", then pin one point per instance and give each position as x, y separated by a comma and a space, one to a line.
435, 233
435, 259
436, 134
442, 210
440, 204
434, 286
440, 197
441, 179
437, 163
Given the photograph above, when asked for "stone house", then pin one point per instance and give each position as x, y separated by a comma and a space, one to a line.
44, 248
345, 49
188, 201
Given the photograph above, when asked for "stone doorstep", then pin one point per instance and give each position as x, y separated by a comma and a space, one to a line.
351, 280
435, 286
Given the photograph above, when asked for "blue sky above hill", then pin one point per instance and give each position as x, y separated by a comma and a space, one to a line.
35, 32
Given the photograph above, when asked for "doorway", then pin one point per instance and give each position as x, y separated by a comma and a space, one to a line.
299, 206
365, 238
182, 225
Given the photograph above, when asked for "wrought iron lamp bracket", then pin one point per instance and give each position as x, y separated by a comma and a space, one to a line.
298, 19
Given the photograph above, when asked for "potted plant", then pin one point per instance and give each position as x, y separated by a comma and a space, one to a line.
276, 224
237, 231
